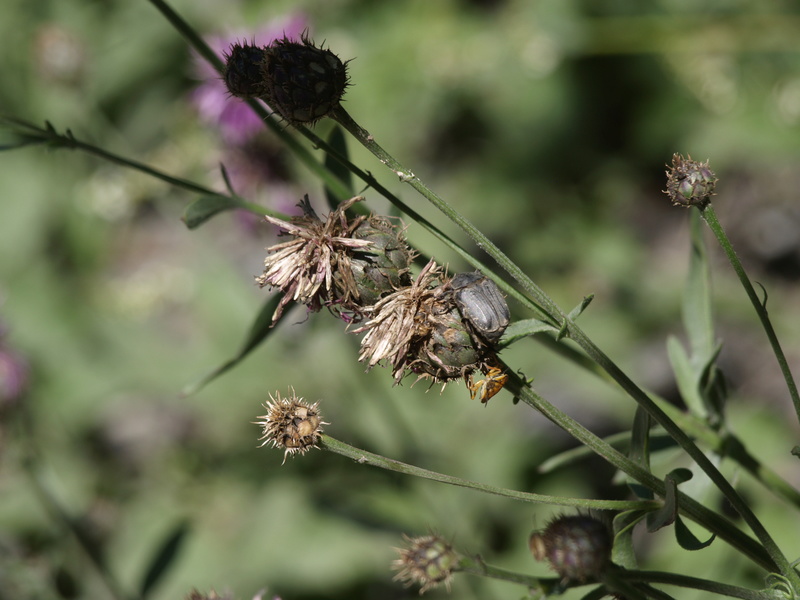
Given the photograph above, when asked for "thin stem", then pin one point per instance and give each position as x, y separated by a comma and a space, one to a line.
476, 566
696, 583
760, 307
363, 457
715, 523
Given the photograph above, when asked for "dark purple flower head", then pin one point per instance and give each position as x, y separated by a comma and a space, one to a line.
236, 121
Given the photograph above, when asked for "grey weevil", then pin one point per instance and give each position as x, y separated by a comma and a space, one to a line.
481, 304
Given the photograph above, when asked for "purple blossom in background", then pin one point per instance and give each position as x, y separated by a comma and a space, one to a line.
235, 120
13, 374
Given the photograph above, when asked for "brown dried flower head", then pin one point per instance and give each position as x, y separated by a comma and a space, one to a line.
690, 183
427, 561
291, 424
419, 329
304, 268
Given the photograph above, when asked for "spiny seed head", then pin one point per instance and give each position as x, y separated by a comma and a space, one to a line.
427, 561
302, 82
305, 268
243, 70
690, 183
578, 547
291, 424
419, 329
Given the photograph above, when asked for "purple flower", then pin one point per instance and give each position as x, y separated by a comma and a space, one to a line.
13, 378
236, 121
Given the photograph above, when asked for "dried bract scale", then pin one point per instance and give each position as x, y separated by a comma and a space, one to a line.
578, 547
243, 71
426, 561
303, 83
690, 183
314, 267
291, 424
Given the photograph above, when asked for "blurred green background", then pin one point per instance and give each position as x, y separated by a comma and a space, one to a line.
548, 124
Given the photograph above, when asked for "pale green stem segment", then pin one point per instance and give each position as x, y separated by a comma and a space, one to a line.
760, 306
732, 591
363, 457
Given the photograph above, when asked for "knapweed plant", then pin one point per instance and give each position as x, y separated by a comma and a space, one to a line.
427, 324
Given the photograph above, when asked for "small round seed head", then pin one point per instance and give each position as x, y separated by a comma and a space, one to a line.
303, 83
426, 561
578, 547
243, 70
291, 424
690, 183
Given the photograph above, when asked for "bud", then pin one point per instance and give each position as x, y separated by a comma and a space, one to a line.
291, 424
428, 561
302, 83
577, 547
690, 183
243, 70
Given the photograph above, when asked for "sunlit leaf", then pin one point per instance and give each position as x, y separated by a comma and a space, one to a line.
524, 328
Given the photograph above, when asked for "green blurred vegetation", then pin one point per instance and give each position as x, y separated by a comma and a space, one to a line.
546, 123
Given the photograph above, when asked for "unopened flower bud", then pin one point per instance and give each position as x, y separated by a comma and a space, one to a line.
291, 424
427, 561
690, 183
243, 74
303, 83
577, 547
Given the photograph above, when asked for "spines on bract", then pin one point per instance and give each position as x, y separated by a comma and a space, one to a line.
243, 74
302, 82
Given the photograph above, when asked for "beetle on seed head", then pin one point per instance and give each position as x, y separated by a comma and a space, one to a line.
481, 305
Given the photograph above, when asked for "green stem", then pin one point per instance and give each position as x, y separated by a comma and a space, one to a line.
363, 457
692, 509
713, 223
696, 583
476, 566
574, 332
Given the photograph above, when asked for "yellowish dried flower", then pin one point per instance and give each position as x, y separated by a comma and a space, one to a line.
291, 424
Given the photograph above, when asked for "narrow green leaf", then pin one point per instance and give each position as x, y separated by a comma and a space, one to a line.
596, 593
640, 448
259, 331
576, 312
524, 328
206, 207
685, 377
338, 143
226, 178
163, 558
620, 441
687, 539
622, 552
668, 513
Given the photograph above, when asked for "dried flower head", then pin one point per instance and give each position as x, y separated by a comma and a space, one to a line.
690, 183
420, 329
291, 424
304, 268
427, 561
578, 547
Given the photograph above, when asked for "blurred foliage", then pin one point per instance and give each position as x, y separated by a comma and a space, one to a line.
547, 123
